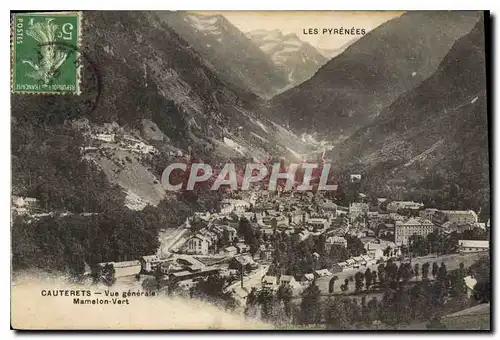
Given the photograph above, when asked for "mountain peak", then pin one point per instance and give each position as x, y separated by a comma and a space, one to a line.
351, 89
299, 60
233, 55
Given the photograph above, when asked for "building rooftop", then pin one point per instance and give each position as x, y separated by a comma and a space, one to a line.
415, 221
123, 264
286, 278
309, 276
474, 243
269, 280
149, 258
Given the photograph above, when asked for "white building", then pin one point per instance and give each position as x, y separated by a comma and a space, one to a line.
232, 205
460, 216
124, 268
198, 244
355, 178
322, 272
375, 251
269, 282
369, 260
303, 234
318, 223
149, 262
394, 206
287, 280
471, 246
357, 209
339, 240
428, 213
419, 226
344, 266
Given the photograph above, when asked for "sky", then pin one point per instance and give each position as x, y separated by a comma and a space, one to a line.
297, 21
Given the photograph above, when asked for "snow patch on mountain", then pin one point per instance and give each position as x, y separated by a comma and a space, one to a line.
235, 146
203, 23
298, 60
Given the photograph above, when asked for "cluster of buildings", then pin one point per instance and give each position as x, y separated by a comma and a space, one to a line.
24, 205
302, 215
395, 225
207, 239
356, 262
273, 282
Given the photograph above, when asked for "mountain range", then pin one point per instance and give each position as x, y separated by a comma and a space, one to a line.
297, 59
432, 142
159, 98
331, 53
231, 53
408, 100
349, 91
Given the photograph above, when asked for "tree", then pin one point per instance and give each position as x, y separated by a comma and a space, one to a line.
310, 307
435, 269
274, 223
211, 289
331, 285
358, 277
285, 295
77, 267
374, 277
371, 313
252, 303
381, 273
345, 285
404, 250
481, 271
405, 272
416, 270
435, 240
108, 274
342, 313
355, 246
338, 253
462, 269
441, 274
457, 288
158, 274
419, 245
435, 323
391, 271
266, 299
368, 278
425, 270
224, 240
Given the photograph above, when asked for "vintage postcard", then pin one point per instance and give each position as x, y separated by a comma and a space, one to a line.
247, 170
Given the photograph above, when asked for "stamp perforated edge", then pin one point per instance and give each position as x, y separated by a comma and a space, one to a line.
78, 70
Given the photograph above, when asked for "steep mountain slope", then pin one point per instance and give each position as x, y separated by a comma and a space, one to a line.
158, 101
233, 55
432, 142
350, 90
296, 58
331, 53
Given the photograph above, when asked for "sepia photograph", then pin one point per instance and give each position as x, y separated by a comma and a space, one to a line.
250, 170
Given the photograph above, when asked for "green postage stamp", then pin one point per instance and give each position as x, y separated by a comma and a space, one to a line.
45, 53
